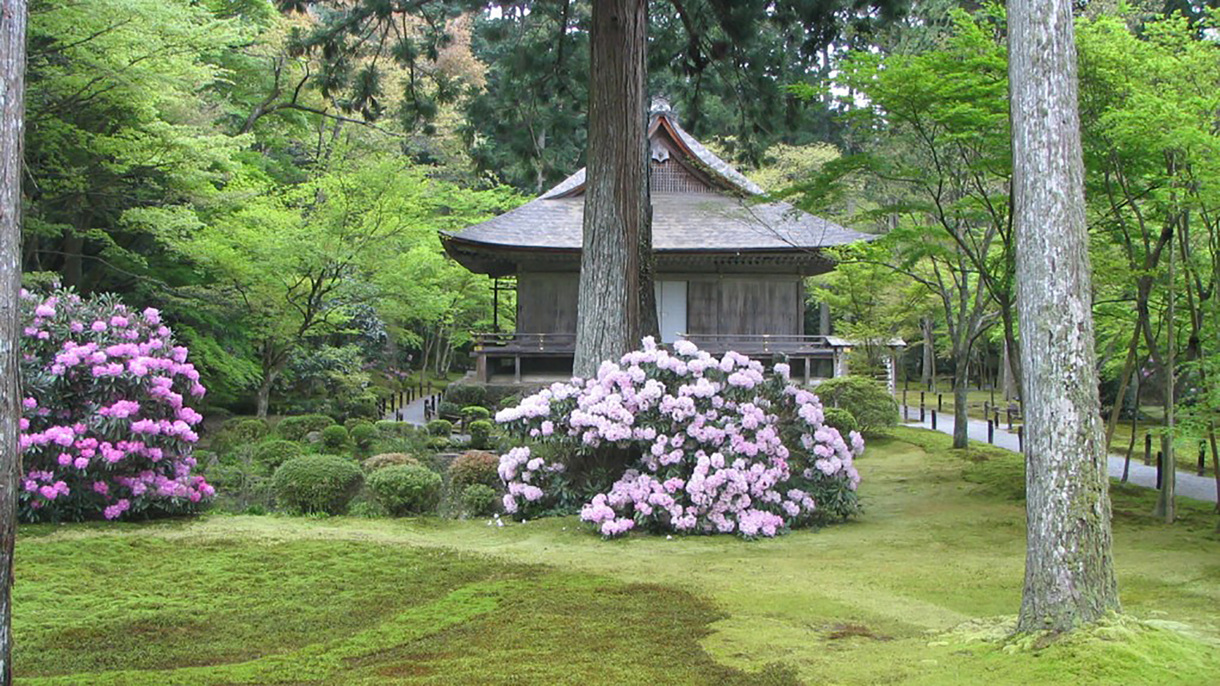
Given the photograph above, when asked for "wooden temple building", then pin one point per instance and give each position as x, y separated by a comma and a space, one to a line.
729, 272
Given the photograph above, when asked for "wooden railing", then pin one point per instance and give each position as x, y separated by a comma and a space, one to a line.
753, 344
565, 343
526, 343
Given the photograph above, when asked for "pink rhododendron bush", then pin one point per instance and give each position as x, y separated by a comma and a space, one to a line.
713, 445
106, 429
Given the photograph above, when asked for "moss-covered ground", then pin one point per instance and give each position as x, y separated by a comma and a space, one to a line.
920, 590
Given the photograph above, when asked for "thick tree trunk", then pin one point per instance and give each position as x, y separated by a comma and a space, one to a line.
616, 187
12, 120
1069, 573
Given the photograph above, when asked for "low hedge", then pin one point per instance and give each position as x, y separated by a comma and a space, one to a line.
269, 455
474, 467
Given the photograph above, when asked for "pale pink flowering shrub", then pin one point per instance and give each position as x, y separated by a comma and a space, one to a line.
106, 428
717, 445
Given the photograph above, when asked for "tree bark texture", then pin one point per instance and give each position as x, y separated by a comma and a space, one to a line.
12, 119
616, 187
1069, 573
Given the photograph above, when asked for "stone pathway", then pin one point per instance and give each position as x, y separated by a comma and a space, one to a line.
1188, 485
411, 413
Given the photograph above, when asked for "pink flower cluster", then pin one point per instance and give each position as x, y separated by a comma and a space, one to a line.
105, 427
710, 437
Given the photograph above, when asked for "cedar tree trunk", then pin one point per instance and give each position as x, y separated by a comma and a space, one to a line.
1069, 573
616, 188
12, 119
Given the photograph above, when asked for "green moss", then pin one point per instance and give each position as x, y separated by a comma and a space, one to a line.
905, 595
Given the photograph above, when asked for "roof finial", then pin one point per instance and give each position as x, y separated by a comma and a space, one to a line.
661, 106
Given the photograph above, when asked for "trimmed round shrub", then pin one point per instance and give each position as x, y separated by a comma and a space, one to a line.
316, 483
479, 500
474, 467
363, 435
473, 413
296, 428
406, 489
840, 419
387, 460
440, 427
867, 400
334, 438
388, 428
106, 426
271, 454
480, 434
440, 443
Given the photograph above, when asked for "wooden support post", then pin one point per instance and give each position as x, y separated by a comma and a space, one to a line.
1147, 447
986, 409
922, 414
940, 402
1021, 439
1160, 464
933, 419
1202, 458
921, 400
990, 431
517, 369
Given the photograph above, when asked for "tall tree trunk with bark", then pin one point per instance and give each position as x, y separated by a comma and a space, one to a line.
12, 120
616, 187
1069, 572
927, 372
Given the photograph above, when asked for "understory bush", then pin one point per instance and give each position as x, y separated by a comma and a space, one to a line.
269, 455
239, 431
480, 434
296, 428
406, 489
106, 427
711, 445
334, 438
387, 428
867, 400
465, 394
474, 467
479, 500
316, 483
840, 419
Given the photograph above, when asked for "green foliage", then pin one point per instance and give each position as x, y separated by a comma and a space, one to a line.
269, 455
466, 394
363, 434
474, 467
841, 419
296, 428
239, 431
388, 460
440, 427
480, 434
472, 413
867, 401
479, 500
449, 410
334, 438
391, 429
316, 484
406, 489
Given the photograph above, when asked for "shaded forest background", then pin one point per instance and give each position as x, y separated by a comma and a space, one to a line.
273, 176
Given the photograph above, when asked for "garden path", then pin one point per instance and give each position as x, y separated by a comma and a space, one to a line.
1188, 485
411, 413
